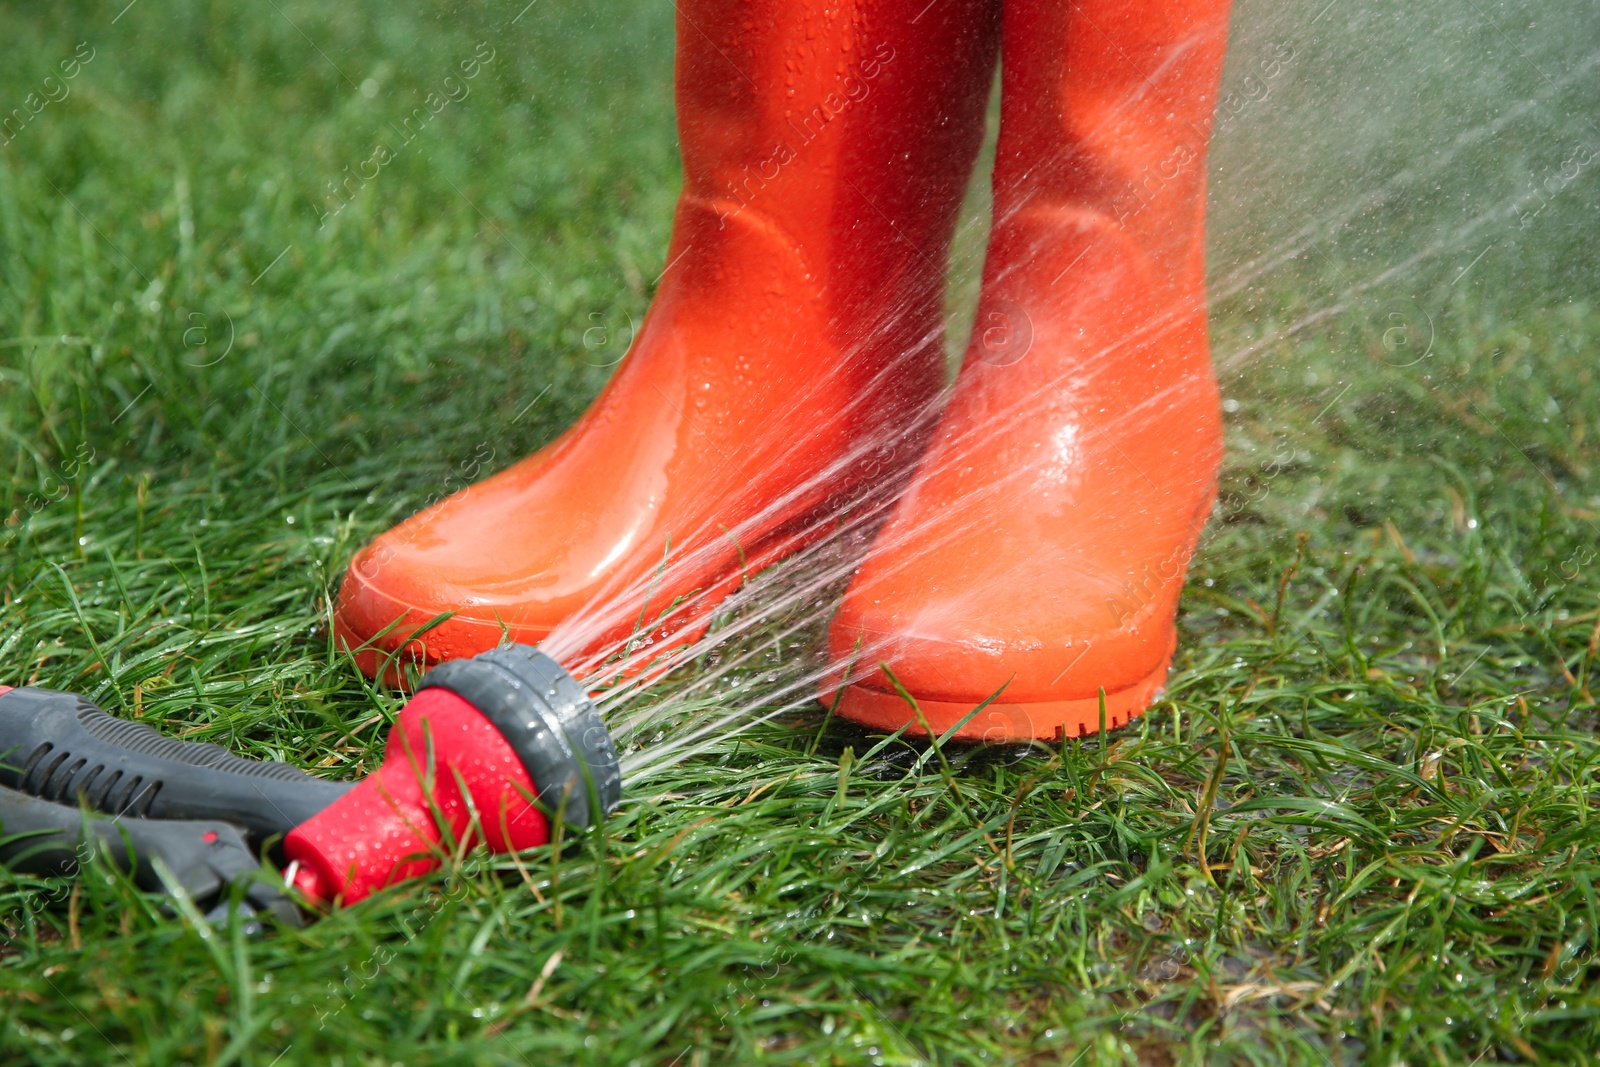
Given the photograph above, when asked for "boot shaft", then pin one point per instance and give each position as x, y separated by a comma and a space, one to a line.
851, 128
1107, 104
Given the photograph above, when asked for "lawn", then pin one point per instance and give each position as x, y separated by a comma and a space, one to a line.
1356, 829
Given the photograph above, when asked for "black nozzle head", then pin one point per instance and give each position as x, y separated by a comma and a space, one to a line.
550, 723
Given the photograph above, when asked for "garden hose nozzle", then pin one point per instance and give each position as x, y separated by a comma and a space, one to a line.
494, 749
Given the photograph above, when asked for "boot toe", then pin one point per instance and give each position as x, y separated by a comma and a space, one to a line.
380, 610
1040, 654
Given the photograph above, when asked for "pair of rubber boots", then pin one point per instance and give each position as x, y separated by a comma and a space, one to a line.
1039, 517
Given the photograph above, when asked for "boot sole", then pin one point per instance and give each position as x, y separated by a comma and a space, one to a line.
1002, 723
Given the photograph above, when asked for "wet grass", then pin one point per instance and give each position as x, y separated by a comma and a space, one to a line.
1357, 828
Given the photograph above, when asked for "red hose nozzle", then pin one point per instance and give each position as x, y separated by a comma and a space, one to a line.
487, 752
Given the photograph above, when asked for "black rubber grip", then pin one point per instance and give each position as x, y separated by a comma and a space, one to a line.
61, 747
204, 858
550, 723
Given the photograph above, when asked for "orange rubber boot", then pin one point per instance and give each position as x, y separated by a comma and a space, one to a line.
1040, 549
797, 328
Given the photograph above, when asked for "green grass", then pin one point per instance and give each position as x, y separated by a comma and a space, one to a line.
1357, 829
